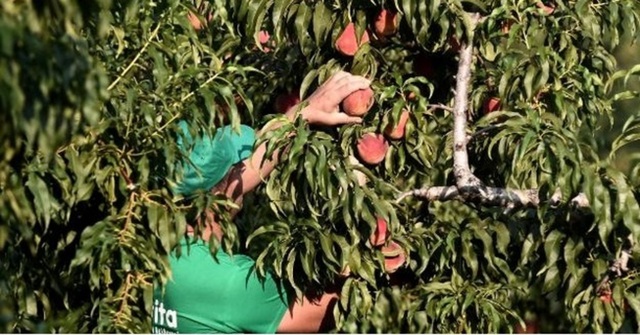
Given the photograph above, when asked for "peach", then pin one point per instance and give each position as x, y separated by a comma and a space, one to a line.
410, 96
284, 102
606, 298
372, 148
358, 103
392, 249
380, 234
394, 257
396, 132
347, 43
197, 23
548, 9
491, 105
392, 264
386, 23
263, 38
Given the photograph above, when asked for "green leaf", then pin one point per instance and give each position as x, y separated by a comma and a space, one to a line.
323, 21
528, 80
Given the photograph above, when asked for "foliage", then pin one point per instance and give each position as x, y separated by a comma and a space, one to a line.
93, 91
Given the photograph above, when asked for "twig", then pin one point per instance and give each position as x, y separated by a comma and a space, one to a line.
440, 106
182, 100
135, 59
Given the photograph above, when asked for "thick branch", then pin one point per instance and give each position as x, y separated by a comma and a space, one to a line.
464, 178
461, 170
492, 196
435, 193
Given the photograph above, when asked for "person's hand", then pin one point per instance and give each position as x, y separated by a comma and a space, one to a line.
323, 106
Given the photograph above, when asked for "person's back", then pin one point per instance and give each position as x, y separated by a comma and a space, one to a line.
222, 295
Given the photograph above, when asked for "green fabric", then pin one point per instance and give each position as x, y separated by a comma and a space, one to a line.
223, 296
211, 158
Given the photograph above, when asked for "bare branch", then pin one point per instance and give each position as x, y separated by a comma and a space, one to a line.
440, 106
502, 197
461, 170
465, 180
492, 196
435, 193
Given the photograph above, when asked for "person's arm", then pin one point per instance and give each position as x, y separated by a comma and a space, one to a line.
323, 108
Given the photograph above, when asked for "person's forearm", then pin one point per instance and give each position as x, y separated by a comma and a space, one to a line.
246, 176
321, 108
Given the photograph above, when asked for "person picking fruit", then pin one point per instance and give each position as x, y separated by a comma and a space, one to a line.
225, 295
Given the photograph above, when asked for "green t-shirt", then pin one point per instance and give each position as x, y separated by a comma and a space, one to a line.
223, 296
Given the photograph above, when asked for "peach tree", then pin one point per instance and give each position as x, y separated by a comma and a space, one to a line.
478, 167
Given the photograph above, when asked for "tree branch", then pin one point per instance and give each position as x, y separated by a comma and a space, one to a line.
468, 187
440, 106
464, 178
492, 196
435, 193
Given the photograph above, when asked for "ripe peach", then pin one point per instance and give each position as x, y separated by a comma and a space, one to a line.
548, 9
358, 103
263, 38
606, 298
397, 132
347, 43
393, 264
380, 234
197, 23
372, 148
284, 102
392, 249
491, 105
394, 257
386, 23
410, 96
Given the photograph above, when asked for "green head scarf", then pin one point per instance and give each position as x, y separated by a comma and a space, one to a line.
211, 158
